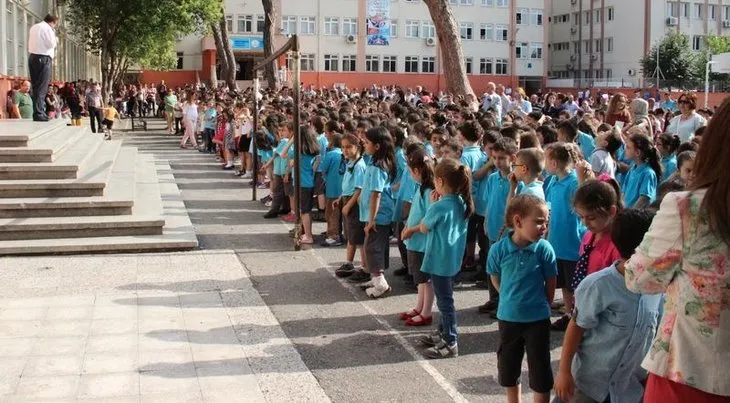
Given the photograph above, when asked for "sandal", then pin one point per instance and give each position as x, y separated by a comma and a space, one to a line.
305, 240
424, 321
409, 314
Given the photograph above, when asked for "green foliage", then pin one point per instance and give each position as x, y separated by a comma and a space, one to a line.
676, 59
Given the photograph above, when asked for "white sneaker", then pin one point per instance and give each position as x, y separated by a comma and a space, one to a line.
378, 292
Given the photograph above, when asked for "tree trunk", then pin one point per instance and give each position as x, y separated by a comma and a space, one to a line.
452, 54
220, 53
230, 77
270, 75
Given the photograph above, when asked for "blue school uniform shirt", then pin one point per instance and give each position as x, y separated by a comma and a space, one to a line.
265, 155
522, 275
353, 177
332, 175
405, 195
640, 181
368, 159
566, 229
619, 329
419, 206
376, 180
209, 118
446, 236
586, 143
495, 192
323, 144
306, 168
474, 158
280, 160
669, 166
429, 148
401, 166
535, 188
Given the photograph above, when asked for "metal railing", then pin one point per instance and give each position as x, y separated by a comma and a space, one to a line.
71, 61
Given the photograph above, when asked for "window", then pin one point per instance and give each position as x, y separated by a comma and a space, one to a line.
597, 16
671, 10
229, 23
180, 56
428, 64
501, 32
502, 3
349, 26
609, 44
485, 65
522, 49
393, 28
245, 23
468, 64
331, 26
307, 61
412, 28
372, 63
466, 2
289, 24
609, 73
428, 30
711, 11
260, 23
685, 10
500, 66
523, 16
587, 17
536, 16
331, 62
697, 42
576, 47
698, 11
307, 25
411, 64
390, 64
536, 50
598, 46
488, 3
587, 46
576, 18
486, 32
610, 13
467, 30
599, 74
726, 13
349, 63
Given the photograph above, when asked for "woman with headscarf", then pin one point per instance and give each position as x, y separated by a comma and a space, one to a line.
639, 110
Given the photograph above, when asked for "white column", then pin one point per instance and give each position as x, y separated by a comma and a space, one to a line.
15, 40
3, 37
24, 54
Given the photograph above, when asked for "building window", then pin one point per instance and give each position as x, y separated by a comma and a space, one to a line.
576, 47
500, 66
245, 23
390, 64
428, 29
411, 64
289, 25
393, 28
229, 23
331, 26
697, 42
180, 56
523, 16
468, 64
599, 74
412, 28
307, 62
349, 26
610, 14
501, 32
711, 11
467, 30
671, 10
587, 46
726, 13
698, 11
609, 44
466, 2
587, 17
486, 32
349, 63
536, 50
488, 3
331, 62
536, 16
598, 46
372, 63
428, 64
485, 65
522, 50
502, 3
260, 23
685, 10
597, 16
609, 73
307, 25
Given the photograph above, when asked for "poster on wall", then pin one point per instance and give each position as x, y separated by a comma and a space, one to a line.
378, 22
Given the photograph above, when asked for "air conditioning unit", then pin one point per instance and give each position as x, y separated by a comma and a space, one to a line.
672, 21
351, 39
632, 72
573, 58
430, 41
726, 24
573, 29
594, 57
569, 67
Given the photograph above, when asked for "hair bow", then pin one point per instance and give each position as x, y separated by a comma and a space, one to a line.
604, 177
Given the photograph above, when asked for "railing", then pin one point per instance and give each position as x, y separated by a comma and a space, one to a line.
71, 61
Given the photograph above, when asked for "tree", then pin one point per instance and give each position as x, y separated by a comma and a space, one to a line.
270, 12
224, 50
715, 44
676, 60
452, 54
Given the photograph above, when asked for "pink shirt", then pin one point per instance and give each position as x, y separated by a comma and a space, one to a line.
603, 255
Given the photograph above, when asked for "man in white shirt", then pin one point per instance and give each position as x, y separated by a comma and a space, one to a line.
492, 101
94, 105
41, 47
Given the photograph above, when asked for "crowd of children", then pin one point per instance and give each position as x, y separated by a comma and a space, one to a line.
526, 202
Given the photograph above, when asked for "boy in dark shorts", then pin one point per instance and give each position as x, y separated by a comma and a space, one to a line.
110, 114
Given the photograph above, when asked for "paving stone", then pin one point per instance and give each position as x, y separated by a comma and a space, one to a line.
108, 385
107, 363
116, 343
47, 387
53, 365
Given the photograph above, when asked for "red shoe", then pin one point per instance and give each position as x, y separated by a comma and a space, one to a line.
409, 314
289, 218
423, 322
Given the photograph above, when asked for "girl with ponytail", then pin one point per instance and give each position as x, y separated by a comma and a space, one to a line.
668, 144
641, 181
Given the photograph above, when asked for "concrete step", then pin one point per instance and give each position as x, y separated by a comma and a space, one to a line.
91, 178
79, 227
44, 148
137, 243
17, 133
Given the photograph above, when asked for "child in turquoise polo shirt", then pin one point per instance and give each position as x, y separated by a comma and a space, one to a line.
640, 182
331, 168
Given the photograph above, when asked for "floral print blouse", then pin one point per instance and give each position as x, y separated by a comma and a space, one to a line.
680, 256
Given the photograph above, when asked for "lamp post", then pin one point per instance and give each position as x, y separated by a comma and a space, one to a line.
707, 80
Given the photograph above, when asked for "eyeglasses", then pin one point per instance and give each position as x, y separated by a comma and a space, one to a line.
683, 102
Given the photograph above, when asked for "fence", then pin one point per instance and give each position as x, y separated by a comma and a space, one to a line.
638, 82
71, 61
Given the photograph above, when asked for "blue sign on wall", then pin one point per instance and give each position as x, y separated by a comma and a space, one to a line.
247, 43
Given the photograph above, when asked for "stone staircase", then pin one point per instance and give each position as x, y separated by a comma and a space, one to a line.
66, 190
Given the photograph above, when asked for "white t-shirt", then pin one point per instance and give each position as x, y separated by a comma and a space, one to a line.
190, 112
685, 129
603, 163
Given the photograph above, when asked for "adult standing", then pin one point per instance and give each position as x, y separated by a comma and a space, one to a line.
170, 102
492, 101
94, 104
22, 102
685, 255
190, 117
41, 46
688, 121
618, 111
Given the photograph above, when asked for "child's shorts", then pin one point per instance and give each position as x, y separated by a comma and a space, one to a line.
318, 183
307, 200
288, 188
377, 248
514, 340
415, 260
108, 123
354, 228
566, 269
476, 224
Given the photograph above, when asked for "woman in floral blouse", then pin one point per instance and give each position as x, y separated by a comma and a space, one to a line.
686, 255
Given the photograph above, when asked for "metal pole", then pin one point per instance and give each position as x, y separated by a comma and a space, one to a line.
298, 144
658, 69
707, 80
254, 129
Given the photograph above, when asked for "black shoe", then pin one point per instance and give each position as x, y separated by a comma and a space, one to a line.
401, 272
271, 214
479, 275
408, 279
41, 119
490, 306
561, 324
346, 270
284, 212
359, 277
493, 315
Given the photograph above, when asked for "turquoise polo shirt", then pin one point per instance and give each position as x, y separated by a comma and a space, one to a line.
522, 275
535, 188
669, 166
446, 237
323, 144
586, 143
332, 173
429, 148
566, 229
280, 160
495, 192
407, 190
419, 206
401, 166
474, 158
640, 181
368, 159
306, 168
354, 177
376, 180
209, 118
